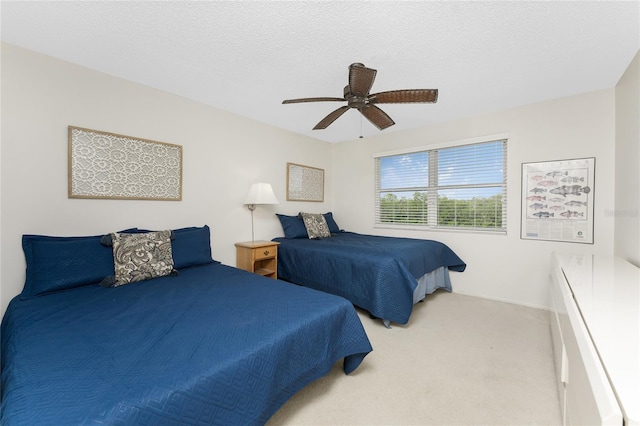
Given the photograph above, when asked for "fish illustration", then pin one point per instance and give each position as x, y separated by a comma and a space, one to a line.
565, 190
572, 179
556, 200
573, 203
535, 198
570, 213
538, 190
543, 214
537, 177
556, 174
556, 207
537, 206
548, 183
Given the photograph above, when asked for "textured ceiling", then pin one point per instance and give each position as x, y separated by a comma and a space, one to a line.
246, 57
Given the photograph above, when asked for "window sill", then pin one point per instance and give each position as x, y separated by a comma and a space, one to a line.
441, 229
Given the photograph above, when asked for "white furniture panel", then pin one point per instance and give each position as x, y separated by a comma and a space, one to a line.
595, 326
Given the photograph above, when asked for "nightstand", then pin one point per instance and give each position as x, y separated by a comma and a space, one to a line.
259, 257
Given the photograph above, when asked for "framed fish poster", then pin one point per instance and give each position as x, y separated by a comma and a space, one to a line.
557, 200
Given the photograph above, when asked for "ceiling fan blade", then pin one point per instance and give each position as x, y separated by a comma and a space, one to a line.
361, 79
324, 123
377, 117
405, 96
295, 101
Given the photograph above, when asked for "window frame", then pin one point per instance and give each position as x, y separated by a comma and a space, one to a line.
432, 189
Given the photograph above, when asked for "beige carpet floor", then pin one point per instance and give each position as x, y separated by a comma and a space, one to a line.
460, 360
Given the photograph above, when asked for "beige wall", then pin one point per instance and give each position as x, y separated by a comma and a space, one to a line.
499, 267
223, 155
627, 198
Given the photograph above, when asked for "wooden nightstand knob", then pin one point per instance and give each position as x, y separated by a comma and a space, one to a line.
266, 252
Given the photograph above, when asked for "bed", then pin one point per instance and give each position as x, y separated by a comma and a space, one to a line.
385, 276
205, 344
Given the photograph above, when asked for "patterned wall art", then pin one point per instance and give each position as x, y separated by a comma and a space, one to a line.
108, 165
557, 200
304, 183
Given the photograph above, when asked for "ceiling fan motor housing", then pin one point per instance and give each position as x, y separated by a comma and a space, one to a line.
354, 101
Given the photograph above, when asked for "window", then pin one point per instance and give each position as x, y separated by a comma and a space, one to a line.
457, 187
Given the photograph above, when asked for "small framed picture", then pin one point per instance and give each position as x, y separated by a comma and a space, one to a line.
304, 183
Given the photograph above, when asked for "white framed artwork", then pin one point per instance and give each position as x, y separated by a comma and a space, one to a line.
113, 166
304, 183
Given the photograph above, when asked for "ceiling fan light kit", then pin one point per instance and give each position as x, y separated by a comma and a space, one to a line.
357, 96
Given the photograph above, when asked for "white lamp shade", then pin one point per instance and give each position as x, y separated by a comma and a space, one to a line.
261, 193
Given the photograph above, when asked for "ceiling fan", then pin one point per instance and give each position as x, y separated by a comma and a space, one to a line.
356, 93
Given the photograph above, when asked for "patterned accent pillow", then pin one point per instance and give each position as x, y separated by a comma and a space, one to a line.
316, 225
139, 257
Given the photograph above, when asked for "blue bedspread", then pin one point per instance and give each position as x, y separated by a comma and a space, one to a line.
214, 345
376, 273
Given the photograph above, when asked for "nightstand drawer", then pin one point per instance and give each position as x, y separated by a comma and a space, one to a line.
265, 252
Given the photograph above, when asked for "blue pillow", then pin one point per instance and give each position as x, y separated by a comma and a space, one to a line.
60, 263
333, 226
191, 246
293, 226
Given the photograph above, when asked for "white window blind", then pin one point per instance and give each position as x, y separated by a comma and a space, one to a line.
458, 187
